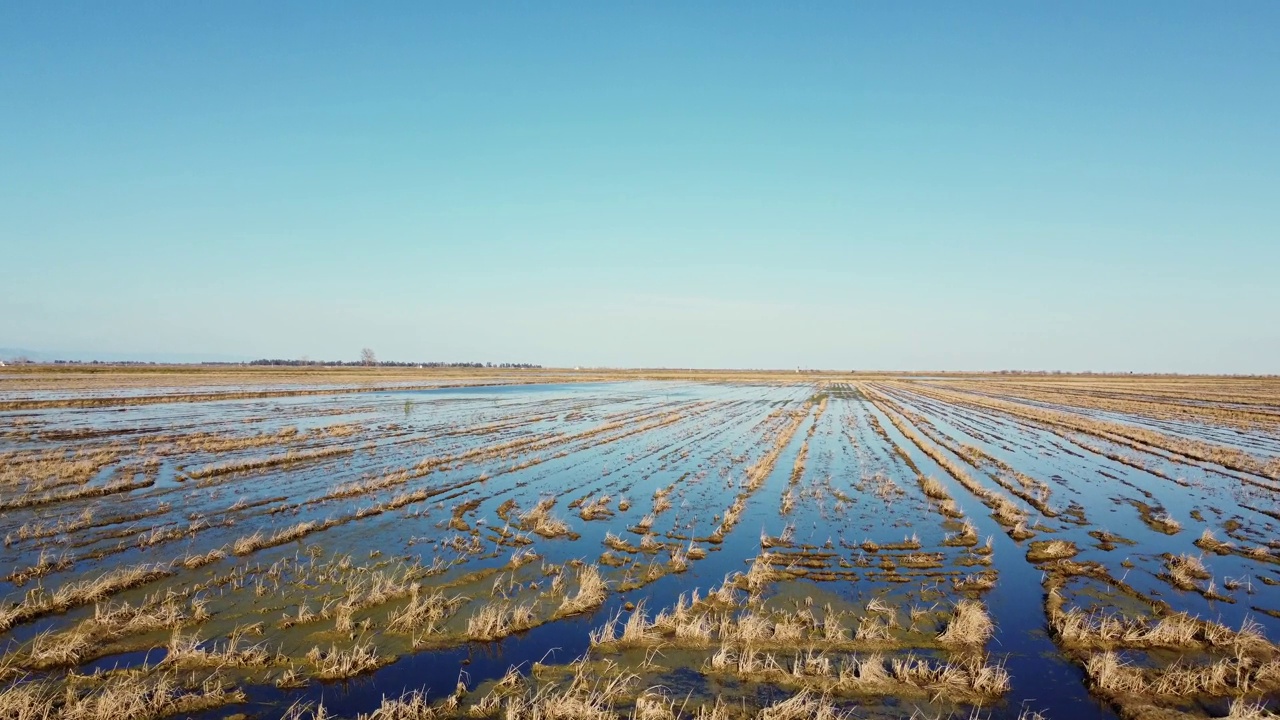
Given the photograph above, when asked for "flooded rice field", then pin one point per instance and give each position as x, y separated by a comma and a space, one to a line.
717, 547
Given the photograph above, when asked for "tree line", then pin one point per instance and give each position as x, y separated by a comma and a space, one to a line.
387, 363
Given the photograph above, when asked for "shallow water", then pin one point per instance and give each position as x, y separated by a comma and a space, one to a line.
583, 440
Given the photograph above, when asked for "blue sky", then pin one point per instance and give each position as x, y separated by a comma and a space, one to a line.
842, 185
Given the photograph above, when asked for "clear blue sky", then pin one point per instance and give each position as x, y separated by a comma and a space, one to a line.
1073, 185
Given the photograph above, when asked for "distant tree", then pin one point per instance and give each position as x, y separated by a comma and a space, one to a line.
368, 357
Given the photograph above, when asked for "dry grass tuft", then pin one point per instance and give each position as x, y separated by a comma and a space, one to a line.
1165, 523
969, 625
424, 614
1224, 676
587, 696
1242, 709
1045, 550
114, 697
1209, 542
966, 536
412, 706
1179, 631
187, 650
1183, 571
339, 664
804, 706
539, 520
908, 675
39, 601
597, 509
635, 632
497, 620
592, 591
934, 489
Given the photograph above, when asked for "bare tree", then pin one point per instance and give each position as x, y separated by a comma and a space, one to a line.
367, 357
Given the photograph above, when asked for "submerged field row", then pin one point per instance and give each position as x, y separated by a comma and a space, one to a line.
882, 544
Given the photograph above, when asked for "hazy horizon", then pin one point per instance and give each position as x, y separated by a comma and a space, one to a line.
160, 358
934, 186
